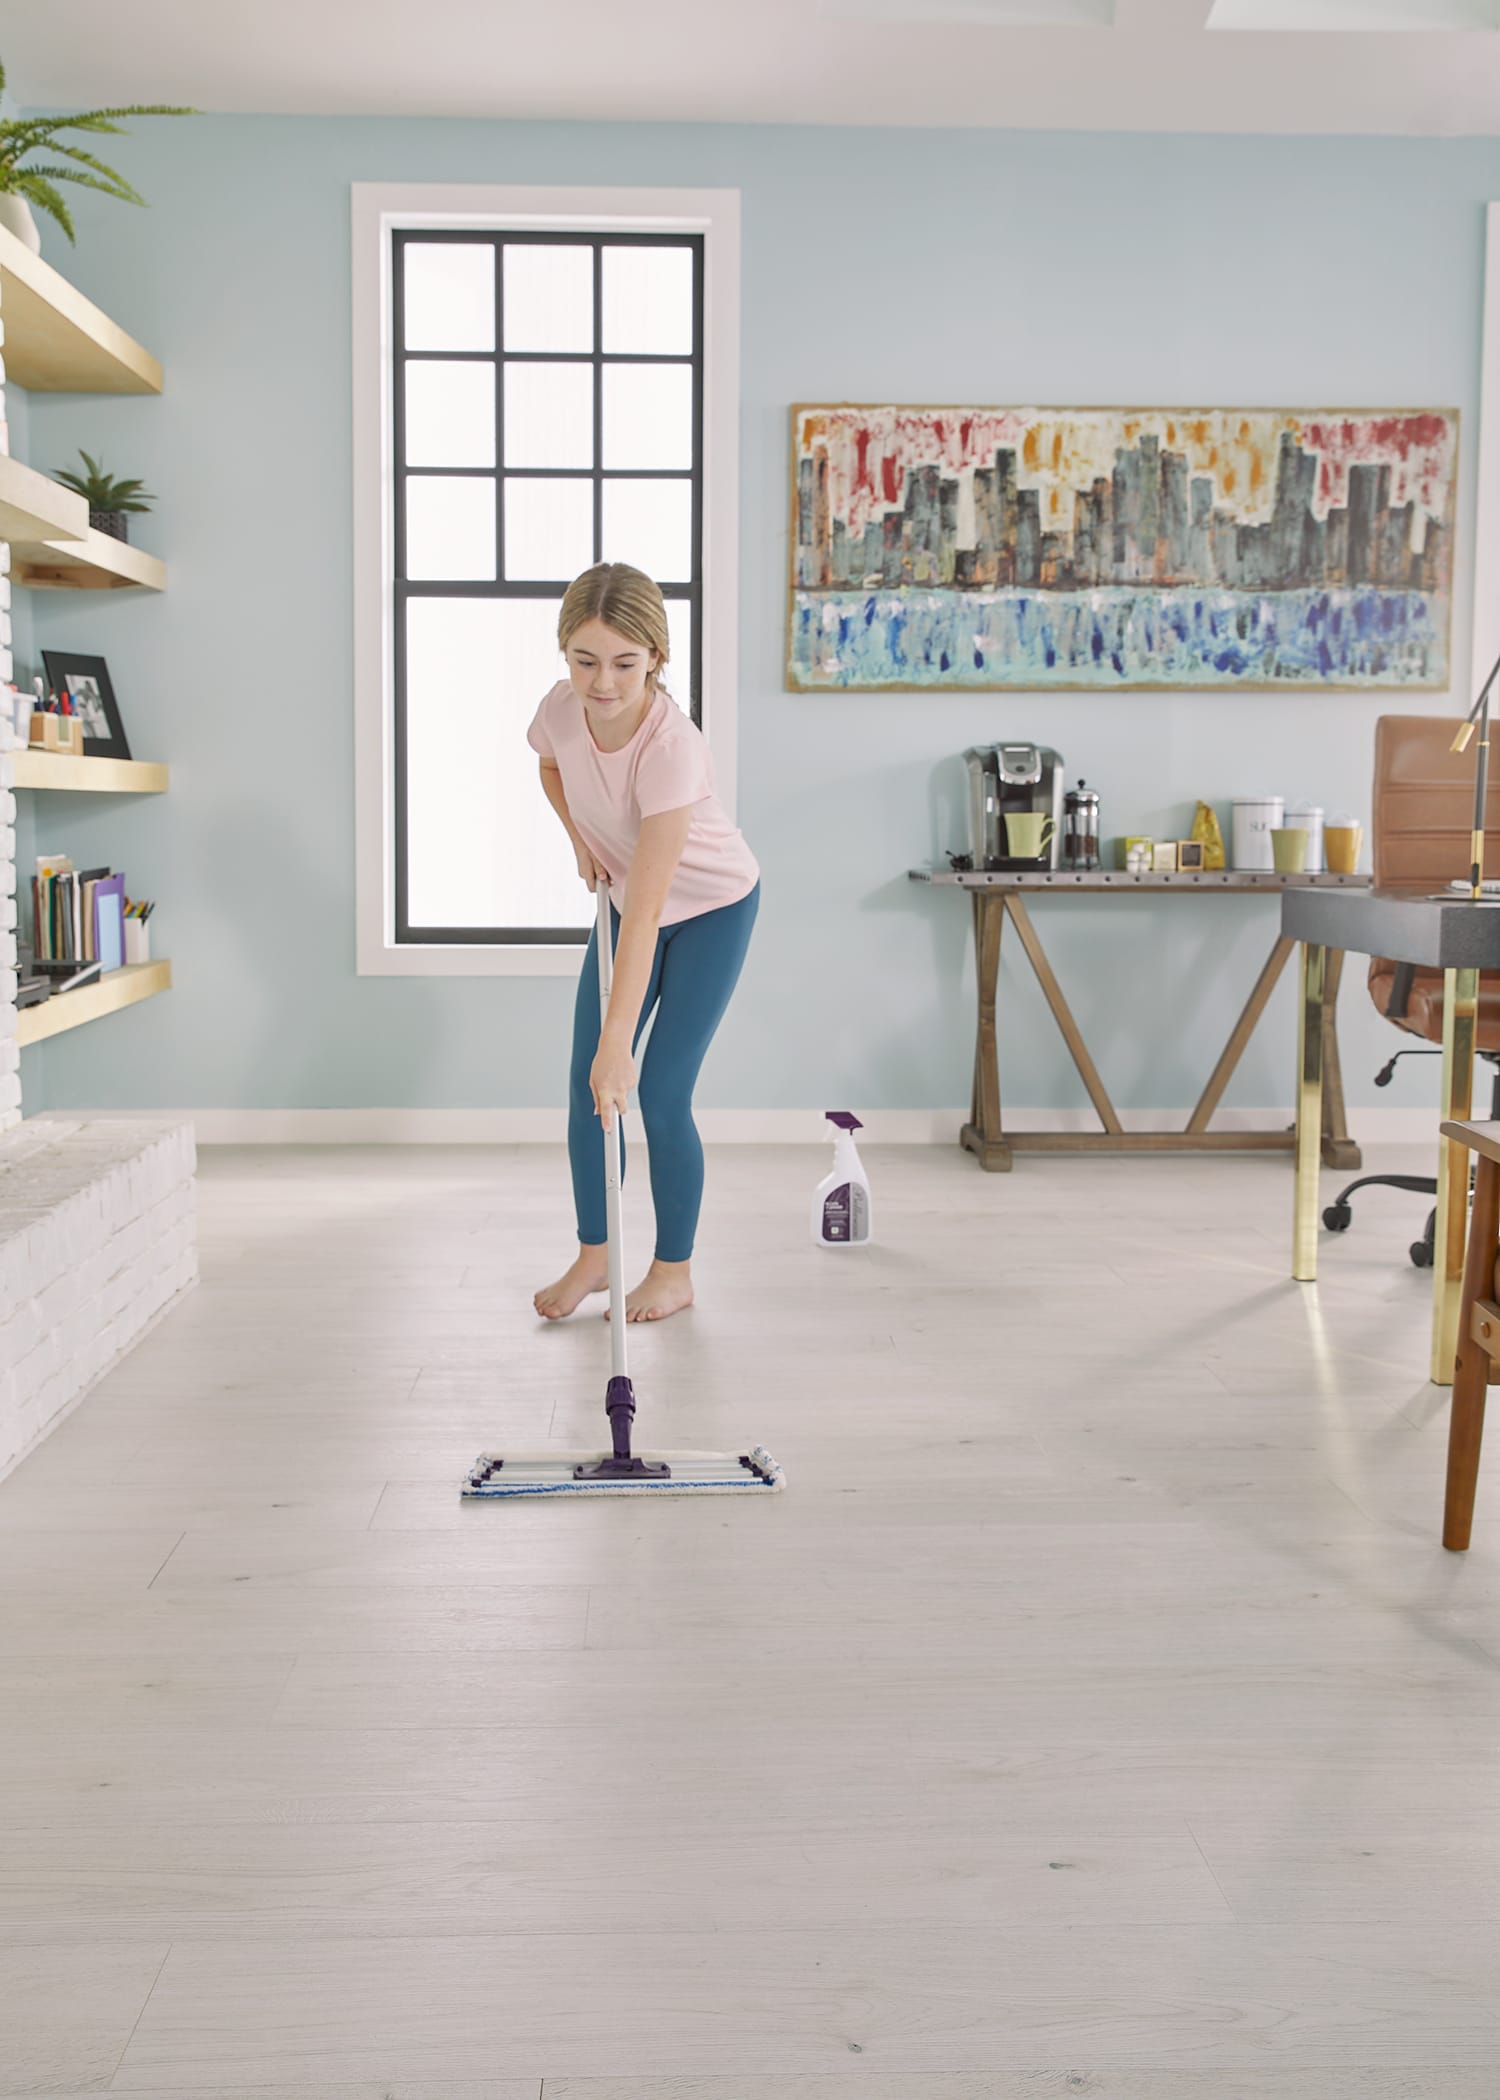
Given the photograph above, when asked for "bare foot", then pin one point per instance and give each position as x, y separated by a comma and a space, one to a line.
666, 1288
589, 1273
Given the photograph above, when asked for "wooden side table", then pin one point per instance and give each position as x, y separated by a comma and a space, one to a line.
998, 896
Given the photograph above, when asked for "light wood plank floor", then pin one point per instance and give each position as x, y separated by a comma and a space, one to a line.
1095, 1714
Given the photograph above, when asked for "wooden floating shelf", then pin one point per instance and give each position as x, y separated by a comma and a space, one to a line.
64, 1010
34, 508
93, 563
58, 342
104, 776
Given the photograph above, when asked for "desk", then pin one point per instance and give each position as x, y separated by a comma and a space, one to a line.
996, 897
1456, 937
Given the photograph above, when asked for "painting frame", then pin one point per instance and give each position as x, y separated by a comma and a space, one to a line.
1437, 636
89, 675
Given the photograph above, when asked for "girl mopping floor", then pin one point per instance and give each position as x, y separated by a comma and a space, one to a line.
630, 776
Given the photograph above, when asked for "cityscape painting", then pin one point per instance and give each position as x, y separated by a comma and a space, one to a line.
972, 548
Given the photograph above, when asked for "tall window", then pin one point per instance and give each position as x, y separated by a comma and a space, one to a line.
547, 405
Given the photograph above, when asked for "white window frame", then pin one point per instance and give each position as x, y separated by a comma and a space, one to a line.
1484, 630
376, 209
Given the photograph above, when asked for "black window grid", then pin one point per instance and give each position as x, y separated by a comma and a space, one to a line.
690, 591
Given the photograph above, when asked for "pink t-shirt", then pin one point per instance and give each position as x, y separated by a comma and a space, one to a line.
666, 765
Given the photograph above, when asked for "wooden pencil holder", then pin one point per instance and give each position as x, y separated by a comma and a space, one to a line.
57, 733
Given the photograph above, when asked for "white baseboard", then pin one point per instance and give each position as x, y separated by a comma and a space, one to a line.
719, 1126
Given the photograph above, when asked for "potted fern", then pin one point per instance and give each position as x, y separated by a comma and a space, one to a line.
109, 500
34, 159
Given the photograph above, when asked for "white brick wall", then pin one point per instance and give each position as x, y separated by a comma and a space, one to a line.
98, 1235
98, 1219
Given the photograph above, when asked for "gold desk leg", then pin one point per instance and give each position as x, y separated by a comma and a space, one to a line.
1309, 1113
1460, 1001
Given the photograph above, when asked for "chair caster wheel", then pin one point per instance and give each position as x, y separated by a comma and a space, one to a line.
1338, 1217
1421, 1254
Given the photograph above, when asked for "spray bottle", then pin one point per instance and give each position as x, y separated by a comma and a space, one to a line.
841, 1214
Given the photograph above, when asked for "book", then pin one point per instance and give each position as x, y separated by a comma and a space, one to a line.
66, 912
107, 921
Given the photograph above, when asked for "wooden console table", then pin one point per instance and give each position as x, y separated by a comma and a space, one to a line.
994, 897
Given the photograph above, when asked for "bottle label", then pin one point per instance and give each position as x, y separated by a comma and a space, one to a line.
846, 1213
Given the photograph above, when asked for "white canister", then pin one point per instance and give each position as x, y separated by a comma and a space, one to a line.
1308, 817
1255, 818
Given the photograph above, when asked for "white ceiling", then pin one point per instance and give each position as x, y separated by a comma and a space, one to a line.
1078, 65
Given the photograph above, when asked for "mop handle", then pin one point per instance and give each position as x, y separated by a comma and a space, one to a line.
611, 1153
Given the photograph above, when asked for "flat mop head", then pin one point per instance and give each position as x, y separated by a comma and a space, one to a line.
569, 1473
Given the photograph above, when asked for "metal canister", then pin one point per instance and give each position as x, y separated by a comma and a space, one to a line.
1080, 850
1308, 817
1255, 818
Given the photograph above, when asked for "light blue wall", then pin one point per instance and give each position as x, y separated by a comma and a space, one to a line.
878, 265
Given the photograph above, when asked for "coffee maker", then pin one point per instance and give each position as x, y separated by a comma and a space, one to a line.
1007, 779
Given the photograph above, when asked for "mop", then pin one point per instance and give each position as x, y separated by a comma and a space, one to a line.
618, 1471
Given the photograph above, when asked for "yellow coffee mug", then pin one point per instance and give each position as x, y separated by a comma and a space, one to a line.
1028, 833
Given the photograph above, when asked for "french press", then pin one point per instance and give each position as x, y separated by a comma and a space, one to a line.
1080, 829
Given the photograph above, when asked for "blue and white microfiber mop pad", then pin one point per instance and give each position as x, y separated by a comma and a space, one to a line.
494, 1475
692, 1473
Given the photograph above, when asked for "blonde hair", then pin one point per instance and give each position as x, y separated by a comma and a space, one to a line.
623, 598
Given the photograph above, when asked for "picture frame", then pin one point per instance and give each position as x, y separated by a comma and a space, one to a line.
87, 679
1189, 856
972, 548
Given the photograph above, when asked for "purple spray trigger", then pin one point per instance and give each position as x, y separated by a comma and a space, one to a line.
842, 1118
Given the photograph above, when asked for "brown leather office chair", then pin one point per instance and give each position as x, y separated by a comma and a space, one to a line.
1421, 824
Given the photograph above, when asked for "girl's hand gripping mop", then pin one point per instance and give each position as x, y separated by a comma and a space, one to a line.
618, 1472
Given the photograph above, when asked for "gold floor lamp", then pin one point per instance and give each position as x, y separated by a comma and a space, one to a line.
1478, 717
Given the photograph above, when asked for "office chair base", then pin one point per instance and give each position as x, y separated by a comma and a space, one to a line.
1339, 1216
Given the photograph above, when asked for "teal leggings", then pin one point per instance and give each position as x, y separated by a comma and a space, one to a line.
693, 973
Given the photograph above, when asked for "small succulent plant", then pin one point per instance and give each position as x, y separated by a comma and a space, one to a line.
102, 491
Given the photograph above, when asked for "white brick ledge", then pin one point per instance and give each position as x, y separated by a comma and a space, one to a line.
98, 1237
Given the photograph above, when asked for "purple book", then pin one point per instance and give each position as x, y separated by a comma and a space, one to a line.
109, 922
